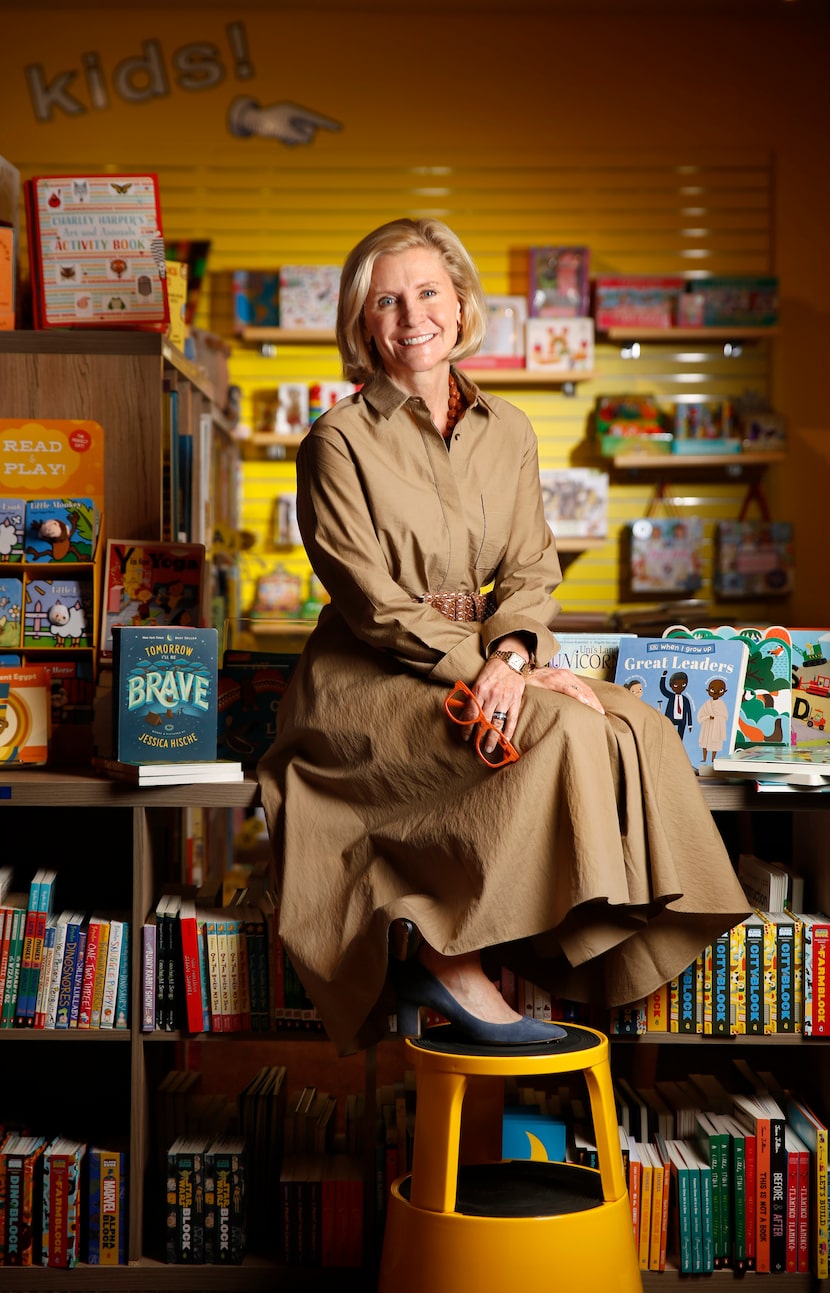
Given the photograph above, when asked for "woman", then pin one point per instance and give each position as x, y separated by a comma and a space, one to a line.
594, 851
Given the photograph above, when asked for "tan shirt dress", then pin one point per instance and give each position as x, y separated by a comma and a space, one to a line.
595, 852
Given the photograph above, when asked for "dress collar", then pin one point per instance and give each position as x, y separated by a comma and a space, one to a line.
386, 398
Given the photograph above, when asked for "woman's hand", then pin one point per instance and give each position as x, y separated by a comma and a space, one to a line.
498, 690
567, 683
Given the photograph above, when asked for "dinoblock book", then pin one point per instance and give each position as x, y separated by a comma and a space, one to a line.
164, 694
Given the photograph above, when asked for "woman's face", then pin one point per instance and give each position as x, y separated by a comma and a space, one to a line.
412, 313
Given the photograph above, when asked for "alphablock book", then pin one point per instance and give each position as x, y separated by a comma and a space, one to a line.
164, 694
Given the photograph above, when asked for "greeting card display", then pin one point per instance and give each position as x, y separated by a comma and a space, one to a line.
96, 252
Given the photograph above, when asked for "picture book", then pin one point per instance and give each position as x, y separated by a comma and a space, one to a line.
164, 694
754, 559
811, 686
575, 500
593, 655
558, 282
665, 555
256, 299
151, 584
170, 774
697, 684
60, 530
766, 705
12, 522
11, 611
504, 341
308, 295
25, 718
560, 346
251, 685
57, 612
96, 251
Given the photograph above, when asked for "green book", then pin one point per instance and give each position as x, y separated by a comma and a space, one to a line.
737, 1188
681, 1206
713, 1144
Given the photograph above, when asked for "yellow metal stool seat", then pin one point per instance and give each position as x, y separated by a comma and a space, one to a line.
464, 1219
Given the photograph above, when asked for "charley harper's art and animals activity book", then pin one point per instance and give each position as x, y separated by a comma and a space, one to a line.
697, 685
164, 694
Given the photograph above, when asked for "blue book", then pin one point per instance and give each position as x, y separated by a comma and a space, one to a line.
60, 530
11, 611
67, 979
122, 996
78, 976
164, 694
697, 684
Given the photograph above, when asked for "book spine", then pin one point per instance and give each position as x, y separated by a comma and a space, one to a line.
26, 960
785, 995
148, 978
15, 1221
793, 1180
63, 1006
111, 972
57, 1210
101, 958
50, 1020
228, 1228
88, 982
778, 1196
122, 996
112, 1245
821, 981
687, 1003
12, 981
191, 974
45, 976
77, 981
721, 995
754, 980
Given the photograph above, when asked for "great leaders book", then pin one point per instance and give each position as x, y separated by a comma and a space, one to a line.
697, 684
164, 694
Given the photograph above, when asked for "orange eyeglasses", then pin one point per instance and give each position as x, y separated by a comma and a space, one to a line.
459, 698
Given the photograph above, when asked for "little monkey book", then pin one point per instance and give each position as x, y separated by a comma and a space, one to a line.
164, 694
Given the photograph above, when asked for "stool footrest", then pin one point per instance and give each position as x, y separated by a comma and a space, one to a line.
523, 1188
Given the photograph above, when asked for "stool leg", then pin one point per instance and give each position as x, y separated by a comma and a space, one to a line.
435, 1152
606, 1134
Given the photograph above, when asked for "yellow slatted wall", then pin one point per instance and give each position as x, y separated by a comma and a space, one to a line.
638, 211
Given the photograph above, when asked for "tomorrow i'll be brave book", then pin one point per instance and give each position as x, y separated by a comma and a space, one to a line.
164, 694
697, 684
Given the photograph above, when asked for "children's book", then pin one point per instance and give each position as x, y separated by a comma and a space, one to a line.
697, 684
592, 655
164, 694
754, 558
96, 251
559, 282
665, 555
147, 584
251, 686
60, 530
107, 1207
170, 774
11, 610
57, 612
575, 500
766, 703
560, 346
807, 767
12, 522
811, 687
25, 717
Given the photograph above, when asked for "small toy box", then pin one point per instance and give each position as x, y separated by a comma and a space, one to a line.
632, 300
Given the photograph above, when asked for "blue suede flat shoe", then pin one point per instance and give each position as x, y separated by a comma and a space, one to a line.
417, 989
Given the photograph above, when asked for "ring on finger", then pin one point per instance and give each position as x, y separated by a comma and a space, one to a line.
499, 716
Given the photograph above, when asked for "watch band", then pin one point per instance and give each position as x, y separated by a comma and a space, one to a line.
515, 661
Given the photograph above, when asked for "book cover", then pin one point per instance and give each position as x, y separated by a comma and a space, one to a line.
256, 299
60, 530
226, 1166
811, 686
11, 611
593, 655
164, 694
62, 1192
575, 500
698, 686
72, 952
12, 527
26, 717
754, 559
57, 612
504, 341
21, 1162
558, 281
766, 703
308, 295
251, 686
97, 252
806, 767
186, 1201
560, 347
665, 555
149, 584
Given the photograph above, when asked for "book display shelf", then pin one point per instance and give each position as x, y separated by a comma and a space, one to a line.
109, 843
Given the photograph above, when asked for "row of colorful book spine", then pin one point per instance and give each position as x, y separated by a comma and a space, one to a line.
61, 1201
61, 969
767, 976
219, 969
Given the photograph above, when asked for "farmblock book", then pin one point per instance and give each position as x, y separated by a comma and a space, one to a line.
164, 690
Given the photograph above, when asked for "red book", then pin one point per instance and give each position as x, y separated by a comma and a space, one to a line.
751, 1116
816, 1021
798, 1202
192, 976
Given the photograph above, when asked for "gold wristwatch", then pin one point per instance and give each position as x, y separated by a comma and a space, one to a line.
514, 661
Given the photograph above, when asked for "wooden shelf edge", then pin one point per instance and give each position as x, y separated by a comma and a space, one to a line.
703, 334
288, 336
48, 787
572, 544
523, 377
689, 462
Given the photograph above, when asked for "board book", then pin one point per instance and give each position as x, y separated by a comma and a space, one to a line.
96, 251
697, 684
148, 584
811, 686
164, 694
800, 766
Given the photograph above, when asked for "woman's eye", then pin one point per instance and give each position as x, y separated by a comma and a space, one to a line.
430, 291
386, 300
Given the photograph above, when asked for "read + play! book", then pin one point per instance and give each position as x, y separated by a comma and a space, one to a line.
697, 684
164, 694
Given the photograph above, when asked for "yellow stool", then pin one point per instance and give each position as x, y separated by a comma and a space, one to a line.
464, 1219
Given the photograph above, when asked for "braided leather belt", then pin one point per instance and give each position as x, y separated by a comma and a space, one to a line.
461, 606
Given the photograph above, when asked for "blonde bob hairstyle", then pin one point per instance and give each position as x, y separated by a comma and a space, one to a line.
360, 359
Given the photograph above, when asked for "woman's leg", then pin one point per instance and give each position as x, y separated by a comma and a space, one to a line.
466, 981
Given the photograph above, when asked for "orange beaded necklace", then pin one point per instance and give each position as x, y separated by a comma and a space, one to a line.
455, 407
